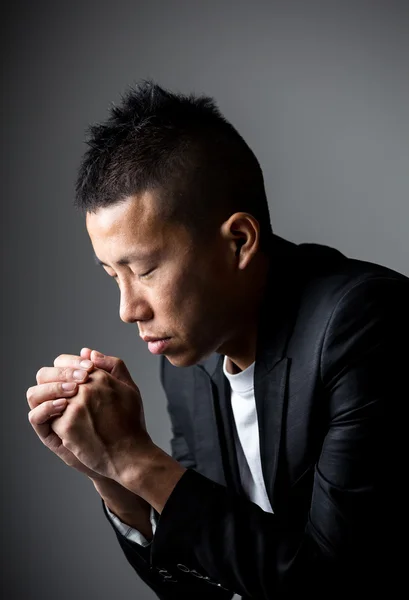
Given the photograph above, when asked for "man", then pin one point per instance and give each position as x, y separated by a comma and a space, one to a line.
286, 470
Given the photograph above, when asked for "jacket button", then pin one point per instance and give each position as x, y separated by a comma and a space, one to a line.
167, 577
196, 574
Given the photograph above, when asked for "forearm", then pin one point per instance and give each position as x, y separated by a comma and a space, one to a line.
127, 506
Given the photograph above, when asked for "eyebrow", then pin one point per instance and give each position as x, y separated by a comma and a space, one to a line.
123, 261
126, 260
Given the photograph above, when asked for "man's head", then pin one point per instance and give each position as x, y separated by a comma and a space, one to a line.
168, 180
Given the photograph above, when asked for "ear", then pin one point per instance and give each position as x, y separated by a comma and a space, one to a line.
242, 233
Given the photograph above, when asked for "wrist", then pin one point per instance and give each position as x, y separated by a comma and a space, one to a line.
127, 506
153, 477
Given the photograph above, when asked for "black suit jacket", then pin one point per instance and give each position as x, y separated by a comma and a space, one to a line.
330, 391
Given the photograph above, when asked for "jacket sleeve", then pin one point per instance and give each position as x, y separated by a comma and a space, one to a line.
354, 508
179, 581
132, 534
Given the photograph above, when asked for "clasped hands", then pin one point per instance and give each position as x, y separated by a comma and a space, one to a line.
97, 425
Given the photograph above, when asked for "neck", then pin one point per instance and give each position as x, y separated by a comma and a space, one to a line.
234, 365
240, 349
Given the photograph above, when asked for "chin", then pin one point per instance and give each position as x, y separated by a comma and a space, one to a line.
187, 359
182, 361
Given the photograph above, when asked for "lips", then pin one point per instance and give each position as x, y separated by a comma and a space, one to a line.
157, 345
149, 338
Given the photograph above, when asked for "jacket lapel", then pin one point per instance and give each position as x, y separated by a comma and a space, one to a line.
270, 394
213, 416
209, 451
226, 429
213, 424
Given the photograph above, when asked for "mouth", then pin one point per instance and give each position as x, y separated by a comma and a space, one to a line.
156, 345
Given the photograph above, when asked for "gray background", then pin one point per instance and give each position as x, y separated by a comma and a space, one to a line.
319, 90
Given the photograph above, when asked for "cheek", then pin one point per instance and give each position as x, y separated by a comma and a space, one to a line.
170, 297
186, 293
181, 298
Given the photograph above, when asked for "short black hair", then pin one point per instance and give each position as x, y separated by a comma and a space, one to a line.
180, 147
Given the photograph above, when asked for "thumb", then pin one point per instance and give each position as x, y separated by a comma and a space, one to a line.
113, 365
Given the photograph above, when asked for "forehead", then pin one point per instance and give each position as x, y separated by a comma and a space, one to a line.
135, 221
135, 226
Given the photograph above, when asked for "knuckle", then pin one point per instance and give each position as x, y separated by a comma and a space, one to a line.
66, 374
72, 416
66, 442
84, 395
33, 416
63, 431
78, 410
103, 375
30, 393
40, 374
58, 360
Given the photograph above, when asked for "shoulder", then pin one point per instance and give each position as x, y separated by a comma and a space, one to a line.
330, 277
319, 285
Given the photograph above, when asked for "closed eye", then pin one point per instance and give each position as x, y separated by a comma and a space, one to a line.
146, 274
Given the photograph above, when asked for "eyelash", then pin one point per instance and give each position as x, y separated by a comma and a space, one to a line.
142, 276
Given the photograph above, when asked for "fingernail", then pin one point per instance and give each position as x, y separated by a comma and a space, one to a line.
98, 354
80, 375
86, 364
59, 403
69, 386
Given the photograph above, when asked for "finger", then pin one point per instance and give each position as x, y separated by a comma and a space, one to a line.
40, 415
113, 365
86, 353
49, 374
68, 360
104, 362
38, 394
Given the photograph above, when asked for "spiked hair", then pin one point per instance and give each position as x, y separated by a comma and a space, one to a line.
181, 148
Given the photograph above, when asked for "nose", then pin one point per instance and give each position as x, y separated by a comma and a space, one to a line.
133, 307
